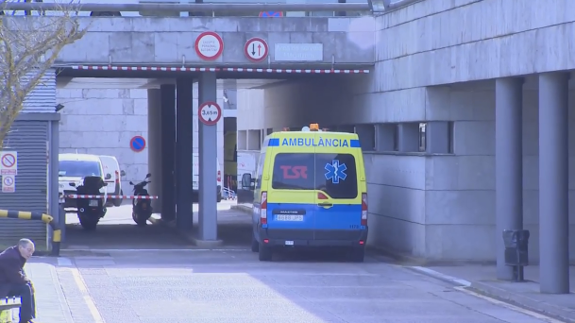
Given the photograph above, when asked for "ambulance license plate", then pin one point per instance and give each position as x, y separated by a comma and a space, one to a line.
289, 217
289, 243
93, 203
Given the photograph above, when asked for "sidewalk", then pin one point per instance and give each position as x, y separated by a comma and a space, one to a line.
51, 304
482, 279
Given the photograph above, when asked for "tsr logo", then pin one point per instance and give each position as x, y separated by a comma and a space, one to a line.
294, 172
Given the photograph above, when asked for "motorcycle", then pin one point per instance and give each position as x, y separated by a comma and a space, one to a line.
90, 210
141, 208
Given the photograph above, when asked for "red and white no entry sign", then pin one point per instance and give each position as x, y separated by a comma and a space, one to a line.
8, 160
209, 113
8, 163
256, 49
209, 46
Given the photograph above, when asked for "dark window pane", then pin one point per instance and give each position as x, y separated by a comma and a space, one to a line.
334, 174
79, 168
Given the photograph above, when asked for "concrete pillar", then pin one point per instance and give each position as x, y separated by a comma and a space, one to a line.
184, 143
553, 183
154, 148
208, 220
508, 165
168, 139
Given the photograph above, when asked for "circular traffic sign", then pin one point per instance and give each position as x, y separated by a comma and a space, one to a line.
256, 49
209, 46
138, 143
8, 160
8, 180
209, 113
271, 14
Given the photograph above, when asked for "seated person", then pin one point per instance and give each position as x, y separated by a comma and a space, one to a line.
13, 280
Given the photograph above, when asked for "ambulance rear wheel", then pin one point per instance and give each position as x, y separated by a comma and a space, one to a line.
265, 253
357, 254
255, 245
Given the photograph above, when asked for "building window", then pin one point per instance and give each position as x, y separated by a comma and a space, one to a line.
450, 134
396, 137
422, 136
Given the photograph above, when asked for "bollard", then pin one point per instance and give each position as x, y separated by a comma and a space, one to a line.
38, 216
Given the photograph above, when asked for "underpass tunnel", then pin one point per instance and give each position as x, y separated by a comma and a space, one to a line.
328, 100
173, 134
173, 138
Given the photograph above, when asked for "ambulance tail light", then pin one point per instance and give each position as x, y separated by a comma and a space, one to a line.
364, 209
264, 209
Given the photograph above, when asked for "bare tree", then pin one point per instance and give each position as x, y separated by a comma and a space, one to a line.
29, 46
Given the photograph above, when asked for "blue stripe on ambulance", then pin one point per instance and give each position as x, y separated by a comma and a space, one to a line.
337, 217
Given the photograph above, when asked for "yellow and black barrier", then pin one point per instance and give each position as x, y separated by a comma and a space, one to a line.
38, 216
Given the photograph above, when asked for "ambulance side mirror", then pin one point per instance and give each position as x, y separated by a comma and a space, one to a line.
247, 181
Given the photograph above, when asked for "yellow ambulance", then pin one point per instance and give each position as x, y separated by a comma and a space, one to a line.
309, 191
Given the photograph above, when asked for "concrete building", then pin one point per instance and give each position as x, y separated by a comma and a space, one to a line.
427, 118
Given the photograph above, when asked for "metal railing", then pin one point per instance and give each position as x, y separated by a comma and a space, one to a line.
38, 216
189, 7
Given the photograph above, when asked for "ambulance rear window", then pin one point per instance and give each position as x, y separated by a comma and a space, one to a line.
334, 174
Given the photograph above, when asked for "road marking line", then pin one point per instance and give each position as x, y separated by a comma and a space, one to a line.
509, 306
194, 249
440, 276
64, 262
86, 295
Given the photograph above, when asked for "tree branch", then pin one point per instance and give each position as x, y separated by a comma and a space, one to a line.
29, 46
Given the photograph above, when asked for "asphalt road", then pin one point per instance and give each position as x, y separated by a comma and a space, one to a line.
118, 230
231, 285
173, 282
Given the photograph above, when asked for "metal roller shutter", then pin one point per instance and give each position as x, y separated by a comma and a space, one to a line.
43, 97
29, 139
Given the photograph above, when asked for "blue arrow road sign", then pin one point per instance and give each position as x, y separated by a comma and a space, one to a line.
271, 14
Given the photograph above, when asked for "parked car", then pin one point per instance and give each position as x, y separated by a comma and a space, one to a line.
72, 170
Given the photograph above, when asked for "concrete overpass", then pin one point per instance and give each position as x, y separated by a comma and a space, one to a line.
337, 42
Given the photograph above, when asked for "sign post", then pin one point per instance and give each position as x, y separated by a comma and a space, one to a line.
209, 46
8, 163
8, 184
256, 49
209, 113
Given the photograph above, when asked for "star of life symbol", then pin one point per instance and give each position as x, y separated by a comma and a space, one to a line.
335, 171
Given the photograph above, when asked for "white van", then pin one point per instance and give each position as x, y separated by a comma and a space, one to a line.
113, 177
196, 176
72, 169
